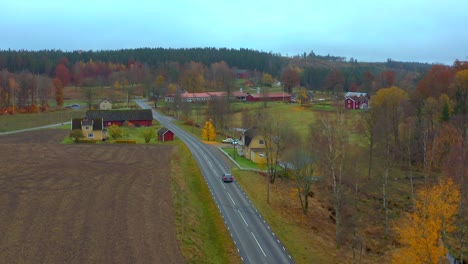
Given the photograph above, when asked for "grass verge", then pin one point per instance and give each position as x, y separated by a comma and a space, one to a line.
201, 232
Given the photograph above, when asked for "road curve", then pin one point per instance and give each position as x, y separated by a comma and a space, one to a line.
253, 237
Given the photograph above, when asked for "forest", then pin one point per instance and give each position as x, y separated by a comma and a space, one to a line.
416, 127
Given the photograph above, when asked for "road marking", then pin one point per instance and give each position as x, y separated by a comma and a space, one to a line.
242, 217
231, 199
258, 244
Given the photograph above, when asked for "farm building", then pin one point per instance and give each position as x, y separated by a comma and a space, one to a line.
140, 117
92, 128
105, 105
354, 100
165, 134
252, 146
285, 97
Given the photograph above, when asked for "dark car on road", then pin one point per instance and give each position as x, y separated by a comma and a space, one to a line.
227, 177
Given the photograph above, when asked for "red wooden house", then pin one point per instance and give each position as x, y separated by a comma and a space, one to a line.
355, 100
165, 134
140, 117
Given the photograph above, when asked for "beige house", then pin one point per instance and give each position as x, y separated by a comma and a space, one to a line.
252, 146
92, 128
105, 105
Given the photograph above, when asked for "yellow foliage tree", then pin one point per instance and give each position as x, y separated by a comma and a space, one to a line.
422, 232
267, 79
209, 131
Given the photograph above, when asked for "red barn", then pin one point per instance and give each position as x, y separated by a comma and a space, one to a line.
165, 134
140, 117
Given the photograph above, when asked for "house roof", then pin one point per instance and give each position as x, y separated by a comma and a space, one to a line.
249, 134
121, 115
271, 95
97, 123
238, 94
105, 100
163, 131
356, 94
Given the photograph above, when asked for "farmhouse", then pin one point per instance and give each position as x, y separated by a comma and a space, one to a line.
285, 97
105, 105
92, 128
204, 97
165, 134
355, 100
252, 146
140, 117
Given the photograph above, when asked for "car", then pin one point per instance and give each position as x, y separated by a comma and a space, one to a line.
227, 177
235, 141
227, 140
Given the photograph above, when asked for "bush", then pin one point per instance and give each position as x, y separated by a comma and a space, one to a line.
148, 134
114, 131
124, 141
76, 135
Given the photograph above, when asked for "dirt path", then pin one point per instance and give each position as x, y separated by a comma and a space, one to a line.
84, 203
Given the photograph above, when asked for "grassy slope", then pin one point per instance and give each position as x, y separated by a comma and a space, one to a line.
201, 231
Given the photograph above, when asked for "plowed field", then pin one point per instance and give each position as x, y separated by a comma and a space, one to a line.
84, 203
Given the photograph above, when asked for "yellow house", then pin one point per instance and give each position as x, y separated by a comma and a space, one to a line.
92, 129
252, 146
105, 105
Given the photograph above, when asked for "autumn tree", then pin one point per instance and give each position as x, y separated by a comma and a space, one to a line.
58, 91
335, 81
460, 92
209, 131
387, 78
222, 76
62, 73
114, 131
267, 79
388, 104
290, 78
436, 81
423, 232
192, 79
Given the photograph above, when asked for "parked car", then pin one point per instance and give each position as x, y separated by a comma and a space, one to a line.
227, 177
227, 140
234, 141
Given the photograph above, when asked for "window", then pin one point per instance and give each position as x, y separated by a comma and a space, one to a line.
261, 142
261, 154
90, 135
87, 127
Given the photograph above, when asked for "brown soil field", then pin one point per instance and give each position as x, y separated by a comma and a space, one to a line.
85, 203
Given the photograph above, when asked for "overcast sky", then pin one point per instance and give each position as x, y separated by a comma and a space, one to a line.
404, 30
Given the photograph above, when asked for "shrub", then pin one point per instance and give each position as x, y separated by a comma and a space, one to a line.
114, 131
76, 135
148, 134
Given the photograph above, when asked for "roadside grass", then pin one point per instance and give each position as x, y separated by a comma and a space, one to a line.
23, 121
283, 215
201, 232
242, 161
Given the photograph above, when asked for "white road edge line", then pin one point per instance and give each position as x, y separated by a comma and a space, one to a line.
231, 199
243, 218
258, 244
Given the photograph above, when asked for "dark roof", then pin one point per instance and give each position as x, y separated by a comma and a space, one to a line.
248, 135
163, 131
96, 122
76, 123
121, 115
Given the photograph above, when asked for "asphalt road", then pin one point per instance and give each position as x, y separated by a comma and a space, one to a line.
254, 239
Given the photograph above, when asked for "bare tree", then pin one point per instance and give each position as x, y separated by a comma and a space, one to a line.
329, 146
302, 172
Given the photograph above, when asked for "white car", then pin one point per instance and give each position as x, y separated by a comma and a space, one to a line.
227, 140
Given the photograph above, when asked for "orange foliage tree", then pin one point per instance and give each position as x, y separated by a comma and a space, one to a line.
422, 232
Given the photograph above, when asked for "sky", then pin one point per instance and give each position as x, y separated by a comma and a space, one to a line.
367, 30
